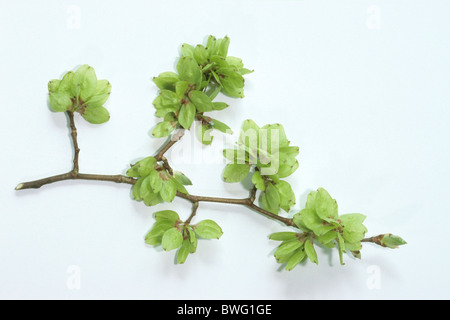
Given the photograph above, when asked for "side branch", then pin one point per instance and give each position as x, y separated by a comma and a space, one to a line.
194, 211
194, 199
375, 239
247, 202
75, 175
73, 133
72, 176
174, 139
287, 221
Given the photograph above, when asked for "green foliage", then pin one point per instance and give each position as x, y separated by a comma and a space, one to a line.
267, 150
163, 129
292, 250
270, 198
171, 233
392, 241
155, 184
310, 251
185, 96
208, 229
202, 72
171, 239
321, 222
165, 220
265, 153
258, 181
283, 236
181, 178
287, 196
189, 71
235, 172
186, 115
81, 92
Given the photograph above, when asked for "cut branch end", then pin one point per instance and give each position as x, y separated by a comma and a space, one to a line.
19, 186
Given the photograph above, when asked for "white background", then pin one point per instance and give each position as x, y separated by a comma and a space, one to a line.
361, 86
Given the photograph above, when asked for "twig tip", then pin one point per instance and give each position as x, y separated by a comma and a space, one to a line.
19, 186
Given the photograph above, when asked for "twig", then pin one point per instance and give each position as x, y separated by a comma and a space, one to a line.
174, 139
166, 165
73, 133
71, 176
75, 175
194, 211
252, 197
247, 202
375, 239
192, 198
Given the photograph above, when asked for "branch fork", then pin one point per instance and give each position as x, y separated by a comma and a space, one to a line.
74, 174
